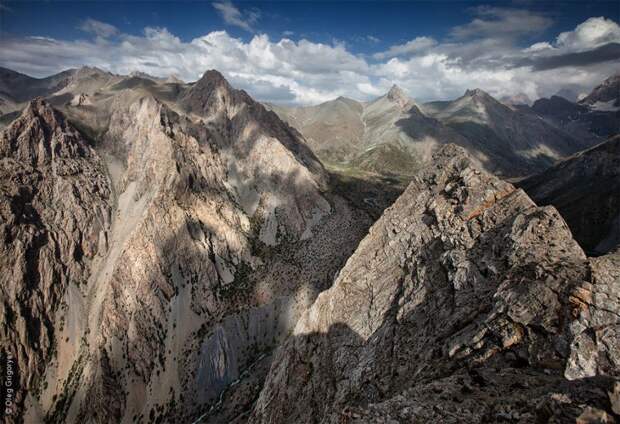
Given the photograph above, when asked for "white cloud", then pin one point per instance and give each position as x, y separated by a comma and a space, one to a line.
233, 16
416, 45
539, 47
100, 29
307, 72
592, 33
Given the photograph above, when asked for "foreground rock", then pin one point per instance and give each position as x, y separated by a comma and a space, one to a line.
465, 303
585, 188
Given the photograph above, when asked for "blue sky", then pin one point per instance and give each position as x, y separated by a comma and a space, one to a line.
306, 52
353, 22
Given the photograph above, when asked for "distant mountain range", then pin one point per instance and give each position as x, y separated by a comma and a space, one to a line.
596, 115
585, 188
393, 135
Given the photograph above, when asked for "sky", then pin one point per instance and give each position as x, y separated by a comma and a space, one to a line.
300, 52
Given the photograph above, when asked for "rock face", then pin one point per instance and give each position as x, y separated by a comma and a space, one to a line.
185, 238
465, 303
55, 205
585, 189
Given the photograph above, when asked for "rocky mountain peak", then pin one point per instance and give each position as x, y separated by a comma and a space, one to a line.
173, 78
39, 134
612, 80
212, 78
89, 71
144, 75
477, 93
607, 92
213, 94
397, 94
40, 109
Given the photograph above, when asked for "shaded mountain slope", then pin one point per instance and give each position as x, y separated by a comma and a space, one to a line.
20, 88
585, 189
595, 117
527, 141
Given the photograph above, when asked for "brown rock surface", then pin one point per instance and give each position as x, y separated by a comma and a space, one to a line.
55, 204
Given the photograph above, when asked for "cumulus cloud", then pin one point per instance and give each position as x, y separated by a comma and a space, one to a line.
539, 47
416, 45
233, 16
307, 72
592, 33
100, 29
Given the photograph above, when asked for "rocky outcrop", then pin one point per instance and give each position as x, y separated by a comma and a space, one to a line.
585, 188
55, 205
465, 303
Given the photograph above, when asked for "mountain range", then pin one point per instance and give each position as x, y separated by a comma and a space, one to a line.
595, 115
179, 252
393, 135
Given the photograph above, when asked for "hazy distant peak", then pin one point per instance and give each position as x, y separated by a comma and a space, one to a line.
144, 75
607, 92
173, 78
397, 93
476, 92
90, 70
516, 99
